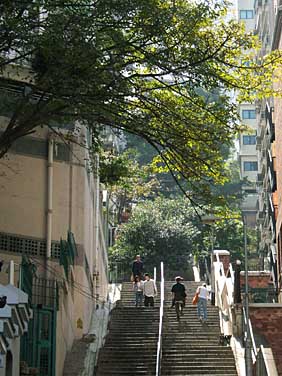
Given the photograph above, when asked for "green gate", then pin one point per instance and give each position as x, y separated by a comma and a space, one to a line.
38, 345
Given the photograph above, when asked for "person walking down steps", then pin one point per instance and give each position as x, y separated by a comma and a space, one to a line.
149, 290
138, 289
203, 294
137, 268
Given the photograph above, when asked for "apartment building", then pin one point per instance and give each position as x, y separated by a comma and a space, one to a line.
52, 217
248, 159
277, 44
266, 179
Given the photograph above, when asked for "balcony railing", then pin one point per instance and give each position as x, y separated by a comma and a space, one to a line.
41, 291
261, 294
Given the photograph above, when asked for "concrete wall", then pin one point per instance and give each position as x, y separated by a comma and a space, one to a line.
23, 207
266, 321
256, 279
23, 196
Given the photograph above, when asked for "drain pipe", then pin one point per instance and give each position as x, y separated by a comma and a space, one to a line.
12, 273
49, 201
96, 227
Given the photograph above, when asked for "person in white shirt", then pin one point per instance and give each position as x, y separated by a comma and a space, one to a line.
203, 294
149, 290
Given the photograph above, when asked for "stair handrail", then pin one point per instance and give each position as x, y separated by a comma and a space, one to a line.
159, 347
253, 343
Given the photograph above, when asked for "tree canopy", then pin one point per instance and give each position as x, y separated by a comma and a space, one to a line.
160, 230
126, 180
169, 230
139, 66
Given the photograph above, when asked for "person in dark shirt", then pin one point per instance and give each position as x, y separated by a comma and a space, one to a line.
178, 295
137, 267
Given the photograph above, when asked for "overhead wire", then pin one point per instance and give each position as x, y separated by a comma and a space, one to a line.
56, 274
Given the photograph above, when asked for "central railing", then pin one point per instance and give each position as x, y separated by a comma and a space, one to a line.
159, 348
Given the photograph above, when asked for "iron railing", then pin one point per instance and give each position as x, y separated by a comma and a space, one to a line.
261, 294
159, 348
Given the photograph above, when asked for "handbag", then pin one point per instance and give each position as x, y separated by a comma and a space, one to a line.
132, 278
195, 299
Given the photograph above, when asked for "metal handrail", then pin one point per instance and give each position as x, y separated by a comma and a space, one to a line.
248, 326
159, 348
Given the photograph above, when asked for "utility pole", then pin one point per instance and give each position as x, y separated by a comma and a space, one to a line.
212, 270
211, 220
248, 351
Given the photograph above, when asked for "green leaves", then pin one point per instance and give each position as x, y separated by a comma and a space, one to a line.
163, 70
161, 230
169, 230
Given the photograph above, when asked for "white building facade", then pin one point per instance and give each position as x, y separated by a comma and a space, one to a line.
248, 157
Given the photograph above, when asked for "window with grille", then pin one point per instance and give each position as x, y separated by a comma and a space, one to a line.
250, 166
246, 14
249, 139
29, 246
249, 114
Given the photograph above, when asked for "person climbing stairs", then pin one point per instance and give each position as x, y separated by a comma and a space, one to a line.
189, 347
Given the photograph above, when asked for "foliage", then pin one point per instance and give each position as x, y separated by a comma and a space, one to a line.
137, 65
126, 180
160, 231
170, 231
229, 234
232, 190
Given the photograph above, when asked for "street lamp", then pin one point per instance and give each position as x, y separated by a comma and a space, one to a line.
237, 285
210, 220
248, 351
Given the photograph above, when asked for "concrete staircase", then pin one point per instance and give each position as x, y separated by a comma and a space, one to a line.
131, 344
190, 347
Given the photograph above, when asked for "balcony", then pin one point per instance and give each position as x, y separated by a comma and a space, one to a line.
260, 217
269, 121
262, 295
258, 3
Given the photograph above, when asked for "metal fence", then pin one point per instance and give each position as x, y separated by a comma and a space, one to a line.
262, 294
159, 348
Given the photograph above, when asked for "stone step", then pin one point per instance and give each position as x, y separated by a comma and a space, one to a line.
211, 350
120, 356
124, 372
133, 342
189, 346
189, 357
201, 368
192, 373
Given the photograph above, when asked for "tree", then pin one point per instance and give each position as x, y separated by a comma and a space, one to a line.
229, 235
160, 230
169, 230
137, 65
126, 180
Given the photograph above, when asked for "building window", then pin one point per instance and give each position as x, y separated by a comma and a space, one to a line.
250, 166
249, 114
246, 14
249, 140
